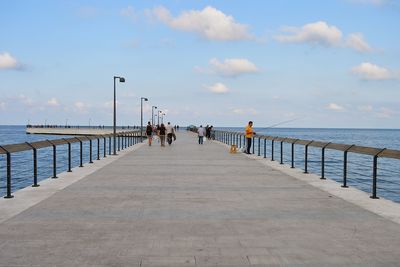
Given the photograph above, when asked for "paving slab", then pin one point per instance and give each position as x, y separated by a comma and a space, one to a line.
194, 205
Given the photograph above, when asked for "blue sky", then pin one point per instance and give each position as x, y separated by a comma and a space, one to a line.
331, 63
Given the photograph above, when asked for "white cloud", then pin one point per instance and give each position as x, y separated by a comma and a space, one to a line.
26, 101
321, 33
233, 67
369, 71
81, 107
3, 106
317, 33
367, 108
110, 104
241, 111
129, 12
53, 102
218, 88
385, 113
7, 61
356, 41
209, 23
335, 107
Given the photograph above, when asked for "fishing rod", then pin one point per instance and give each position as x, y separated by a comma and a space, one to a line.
282, 122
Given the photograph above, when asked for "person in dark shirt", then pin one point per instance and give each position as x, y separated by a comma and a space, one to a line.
149, 133
161, 133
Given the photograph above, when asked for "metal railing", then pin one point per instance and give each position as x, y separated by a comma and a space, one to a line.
124, 140
52, 126
239, 139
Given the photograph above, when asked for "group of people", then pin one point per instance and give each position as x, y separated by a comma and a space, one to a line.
207, 132
161, 131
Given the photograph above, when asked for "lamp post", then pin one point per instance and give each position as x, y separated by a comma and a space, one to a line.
158, 117
121, 80
162, 118
141, 117
152, 114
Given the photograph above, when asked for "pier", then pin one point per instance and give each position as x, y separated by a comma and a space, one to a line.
195, 205
75, 130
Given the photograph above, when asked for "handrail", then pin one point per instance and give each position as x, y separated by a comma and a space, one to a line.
323, 145
9, 149
387, 153
20, 147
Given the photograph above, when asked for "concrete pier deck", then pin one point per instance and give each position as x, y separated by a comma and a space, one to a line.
193, 205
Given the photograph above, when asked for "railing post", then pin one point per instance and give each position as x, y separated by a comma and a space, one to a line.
35, 183
281, 152
306, 157
109, 145
81, 153
345, 167
69, 158
259, 148
293, 153
323, 161
265, 148
252, 142
54, 160
69, 155
119, 142
105, 147
90, 151
272, 149
98, 148
124, 140
240, 140
375, 175
8, 155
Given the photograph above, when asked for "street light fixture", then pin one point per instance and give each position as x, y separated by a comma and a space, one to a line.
141, 117
152, 114
121, 80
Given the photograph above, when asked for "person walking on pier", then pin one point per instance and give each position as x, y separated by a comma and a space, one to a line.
161, 133
149, 132
200, 133
170, 133
249, 136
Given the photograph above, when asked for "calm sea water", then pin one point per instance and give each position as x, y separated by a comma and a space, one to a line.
359, 166
22, 162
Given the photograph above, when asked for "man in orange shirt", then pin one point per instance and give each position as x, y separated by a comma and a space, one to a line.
249, 135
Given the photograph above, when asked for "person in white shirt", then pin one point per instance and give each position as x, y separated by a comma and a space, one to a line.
201, 132
170, 133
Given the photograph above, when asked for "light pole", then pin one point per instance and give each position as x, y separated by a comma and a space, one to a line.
121, 80
158, 117
152, 114
162, 118
141, 117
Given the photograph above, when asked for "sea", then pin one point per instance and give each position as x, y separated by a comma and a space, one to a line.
359, 166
